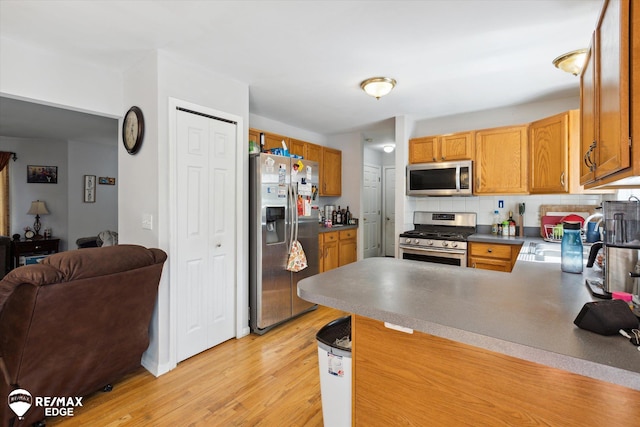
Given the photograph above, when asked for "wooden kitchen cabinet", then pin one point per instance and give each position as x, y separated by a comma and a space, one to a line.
305, 149
549, 153
605, 94
493, 256
331, 172
271, 140
347, 247
328, 250
337, 248
501, 161
394, 372
441, 148
298, 147
554, 155
254, 135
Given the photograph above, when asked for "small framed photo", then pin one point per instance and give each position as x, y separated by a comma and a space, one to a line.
42, 174
105, 180
89, 188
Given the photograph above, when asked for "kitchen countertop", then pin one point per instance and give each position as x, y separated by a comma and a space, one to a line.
495, 238
336, 228
527, 314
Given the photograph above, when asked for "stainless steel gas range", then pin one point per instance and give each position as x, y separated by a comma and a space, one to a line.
438, 237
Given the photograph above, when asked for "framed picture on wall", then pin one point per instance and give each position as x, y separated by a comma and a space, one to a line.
42, 174
89, 188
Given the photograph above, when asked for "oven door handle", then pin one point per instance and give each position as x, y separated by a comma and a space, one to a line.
434, 250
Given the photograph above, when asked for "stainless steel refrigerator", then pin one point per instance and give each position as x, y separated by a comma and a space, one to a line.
282, 195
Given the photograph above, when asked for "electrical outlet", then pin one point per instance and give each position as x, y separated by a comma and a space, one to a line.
500, 204
147, 221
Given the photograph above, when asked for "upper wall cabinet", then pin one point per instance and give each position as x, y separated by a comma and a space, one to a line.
441, 148
549, 155
329, 160
331, 172
501, 164
605, 95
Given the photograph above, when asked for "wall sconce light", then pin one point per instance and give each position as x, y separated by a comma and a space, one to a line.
37, 208
378, 86
388, 148
571, 62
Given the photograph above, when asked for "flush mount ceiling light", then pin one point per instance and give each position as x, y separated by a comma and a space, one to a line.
388, 148
571, 62
378, 86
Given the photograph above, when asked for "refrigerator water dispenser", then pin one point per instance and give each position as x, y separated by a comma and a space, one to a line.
275, 225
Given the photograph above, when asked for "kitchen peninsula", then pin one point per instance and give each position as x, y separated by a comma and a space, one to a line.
484, 347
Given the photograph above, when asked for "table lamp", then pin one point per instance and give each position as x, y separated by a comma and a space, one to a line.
37, 208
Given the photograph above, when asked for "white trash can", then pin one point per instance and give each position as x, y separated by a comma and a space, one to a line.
334, 360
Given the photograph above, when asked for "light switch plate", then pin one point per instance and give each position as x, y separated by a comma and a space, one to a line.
147, 221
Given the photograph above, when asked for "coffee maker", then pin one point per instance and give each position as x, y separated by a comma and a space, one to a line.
621, 243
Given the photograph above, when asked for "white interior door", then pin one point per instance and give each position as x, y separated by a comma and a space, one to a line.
389, 211
206, 246
371, 223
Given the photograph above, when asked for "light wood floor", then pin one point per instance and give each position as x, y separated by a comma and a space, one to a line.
268, 380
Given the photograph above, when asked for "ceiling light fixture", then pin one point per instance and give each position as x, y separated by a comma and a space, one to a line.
378, 86
388, 148
571, 62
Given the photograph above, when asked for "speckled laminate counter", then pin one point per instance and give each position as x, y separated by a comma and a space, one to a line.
337, 228
527, 314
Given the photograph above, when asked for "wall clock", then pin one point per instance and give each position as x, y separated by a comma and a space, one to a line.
133, 130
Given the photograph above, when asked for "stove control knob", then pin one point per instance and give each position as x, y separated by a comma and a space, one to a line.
454, 244
416, 241
408, 241
429, 242
445, 244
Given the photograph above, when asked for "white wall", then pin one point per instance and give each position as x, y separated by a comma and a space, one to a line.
145, 177
69, 218
41, 153
33, 74
274, 126
505, 116
89, 219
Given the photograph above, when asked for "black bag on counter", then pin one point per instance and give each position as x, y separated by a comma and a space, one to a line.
606, 317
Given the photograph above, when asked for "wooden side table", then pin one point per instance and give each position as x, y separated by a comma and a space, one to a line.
32, 247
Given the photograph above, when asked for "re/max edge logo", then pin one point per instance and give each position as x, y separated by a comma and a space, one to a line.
20, 401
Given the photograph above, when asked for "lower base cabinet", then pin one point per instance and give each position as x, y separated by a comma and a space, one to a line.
493, 256
337, 248
419, 379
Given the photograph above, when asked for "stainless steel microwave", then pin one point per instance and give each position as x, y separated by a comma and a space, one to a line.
440, 179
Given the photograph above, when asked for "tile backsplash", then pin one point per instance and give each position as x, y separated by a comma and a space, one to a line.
485, 205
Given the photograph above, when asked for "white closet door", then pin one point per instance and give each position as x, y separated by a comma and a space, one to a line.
206, 245
371, 200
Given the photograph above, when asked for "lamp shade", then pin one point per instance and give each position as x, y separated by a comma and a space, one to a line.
38, 208
378, 86
571, 62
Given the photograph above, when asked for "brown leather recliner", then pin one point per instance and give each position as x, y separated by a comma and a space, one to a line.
75, 323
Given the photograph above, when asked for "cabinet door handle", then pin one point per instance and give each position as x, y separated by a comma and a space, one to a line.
434, 159
444, 158
489, 250
562, 179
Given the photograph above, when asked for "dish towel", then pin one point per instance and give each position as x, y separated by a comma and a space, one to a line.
297, 258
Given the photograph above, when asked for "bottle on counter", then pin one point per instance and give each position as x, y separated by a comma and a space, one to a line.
571, 248
347, 215
505, 227
496, 222
338, 216
512, 224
